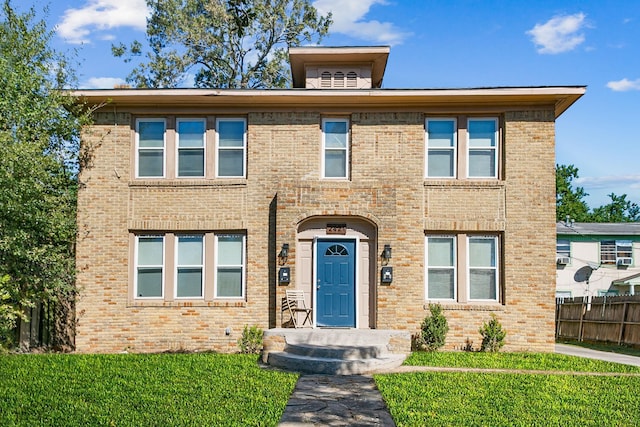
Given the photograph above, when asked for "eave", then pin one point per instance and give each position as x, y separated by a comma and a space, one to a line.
560, 97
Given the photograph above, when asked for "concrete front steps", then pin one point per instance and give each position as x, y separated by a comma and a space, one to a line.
335, 351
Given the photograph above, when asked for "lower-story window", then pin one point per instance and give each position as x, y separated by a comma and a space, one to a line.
462, 268
202, 266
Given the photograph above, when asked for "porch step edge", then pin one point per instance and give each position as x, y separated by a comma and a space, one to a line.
332, 366
344, 352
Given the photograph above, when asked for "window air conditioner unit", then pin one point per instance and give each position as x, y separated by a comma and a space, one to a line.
562, 260
624, 261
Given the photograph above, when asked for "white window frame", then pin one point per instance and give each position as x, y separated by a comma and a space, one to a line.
453, 267
137, 266
495, 267
563, 252
178, 266
346, 149
138, 148
219, 149
243, 267
494, 148
204, 146
454, 148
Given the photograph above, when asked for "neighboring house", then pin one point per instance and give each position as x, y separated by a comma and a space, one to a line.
596, 259
202, 206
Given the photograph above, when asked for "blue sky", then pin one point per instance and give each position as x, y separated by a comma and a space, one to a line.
450, 44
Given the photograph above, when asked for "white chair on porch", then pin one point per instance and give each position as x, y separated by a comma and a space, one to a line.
294, 304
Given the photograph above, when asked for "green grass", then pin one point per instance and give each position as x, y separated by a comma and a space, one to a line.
528, 361
485, 399
140, 390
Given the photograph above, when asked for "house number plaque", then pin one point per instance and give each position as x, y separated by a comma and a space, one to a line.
336, 228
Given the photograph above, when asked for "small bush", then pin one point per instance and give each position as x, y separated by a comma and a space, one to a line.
434, 330
492, 335
251, 340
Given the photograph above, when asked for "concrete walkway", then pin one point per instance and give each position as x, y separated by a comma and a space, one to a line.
342, 400
574, 350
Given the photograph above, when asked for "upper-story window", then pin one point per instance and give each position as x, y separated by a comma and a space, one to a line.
335, 148
150, 148
461, 147
617, 252
441, 148
191, 147
482, 139
231, 142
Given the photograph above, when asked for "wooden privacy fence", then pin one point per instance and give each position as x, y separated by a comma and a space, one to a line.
613, 319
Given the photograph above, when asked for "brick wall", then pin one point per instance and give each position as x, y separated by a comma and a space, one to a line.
283, 188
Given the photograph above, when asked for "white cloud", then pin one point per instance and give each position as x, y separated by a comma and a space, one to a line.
76, 25
624, 85
103, 83
348, 18
559, 34
609, 182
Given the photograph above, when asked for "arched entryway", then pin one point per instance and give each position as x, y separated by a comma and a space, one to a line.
336, 266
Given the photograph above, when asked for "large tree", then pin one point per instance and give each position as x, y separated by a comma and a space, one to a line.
39, 134
222, 43
569, 200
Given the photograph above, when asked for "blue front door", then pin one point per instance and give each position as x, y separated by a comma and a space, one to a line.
335, 284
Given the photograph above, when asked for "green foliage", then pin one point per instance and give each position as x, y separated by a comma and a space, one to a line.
570, 203
222, 43
433, 331
492, 335
39, 138
141, 390
569, 200
251, 340
474, 399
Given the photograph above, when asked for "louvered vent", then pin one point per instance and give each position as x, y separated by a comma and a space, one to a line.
338, 79
325, 80
352, 79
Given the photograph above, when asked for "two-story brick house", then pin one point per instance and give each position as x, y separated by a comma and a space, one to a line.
202, 206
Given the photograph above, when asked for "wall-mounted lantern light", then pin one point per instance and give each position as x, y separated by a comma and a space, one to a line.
284, 253
386, 254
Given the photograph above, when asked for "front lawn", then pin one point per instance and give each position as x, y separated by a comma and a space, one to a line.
489, 399
141, 390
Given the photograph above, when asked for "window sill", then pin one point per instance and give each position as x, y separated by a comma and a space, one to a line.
189, 182
193, 303
464, 183
469, 306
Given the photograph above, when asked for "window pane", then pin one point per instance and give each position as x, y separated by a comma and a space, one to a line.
150, 162
440, 283
230, 163
482, 133
482, 284
190, 250
189, 282
149, 282
441, 251
229, 282
150, 250
608, 252
335, 164
440, 163
190, 133
482, 252
482, 163
151, 134
335, 134
441, 133
231, 133
230, 250
563, 248
191, 162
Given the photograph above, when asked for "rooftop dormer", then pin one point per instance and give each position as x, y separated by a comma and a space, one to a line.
338, 67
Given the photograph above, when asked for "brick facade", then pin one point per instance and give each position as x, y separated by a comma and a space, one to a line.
284, 199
